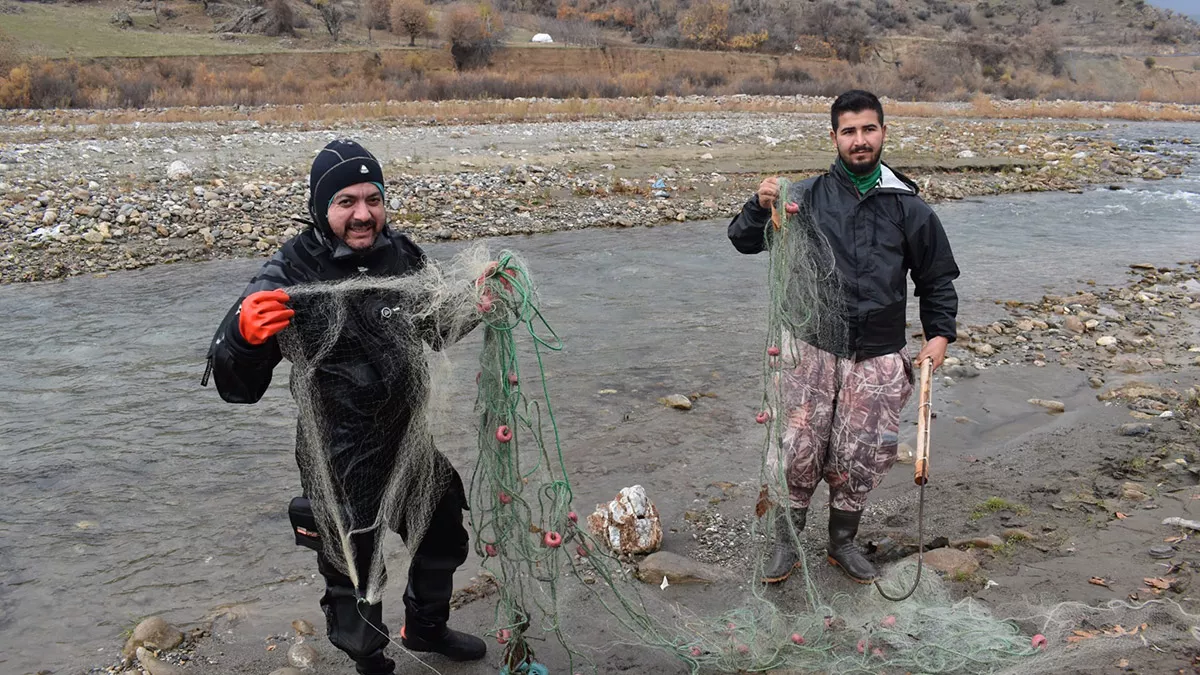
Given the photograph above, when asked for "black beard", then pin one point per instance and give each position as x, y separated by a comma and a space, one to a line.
861, 168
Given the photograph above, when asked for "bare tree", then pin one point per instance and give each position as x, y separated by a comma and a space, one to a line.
410, 17
333, 16
376, 16
821, 19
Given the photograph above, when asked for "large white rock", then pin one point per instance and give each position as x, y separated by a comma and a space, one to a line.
629, 523
302, 656
178, 170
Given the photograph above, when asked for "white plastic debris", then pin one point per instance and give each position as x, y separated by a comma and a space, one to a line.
1181, 522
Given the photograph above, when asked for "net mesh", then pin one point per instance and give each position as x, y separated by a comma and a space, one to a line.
364, 390
550, 571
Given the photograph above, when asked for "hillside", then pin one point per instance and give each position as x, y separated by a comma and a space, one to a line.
55, 54
847, 29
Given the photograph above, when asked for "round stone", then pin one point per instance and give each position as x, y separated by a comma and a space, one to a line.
1162, 551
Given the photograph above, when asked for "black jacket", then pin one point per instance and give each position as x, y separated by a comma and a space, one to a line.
365, 394
875, 239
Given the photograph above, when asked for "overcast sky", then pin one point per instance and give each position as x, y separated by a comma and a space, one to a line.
1191, 7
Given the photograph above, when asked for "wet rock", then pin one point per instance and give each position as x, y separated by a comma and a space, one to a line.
1050, 405
960, 372
1017, 534
988, 542
154, 666
302, 627
1154, 173
982, 348
1133, 492
1134, 429
679, 570
1162, 551
1135, 390
905, 454
1131, 363
154, 633
303, 656
951, 561
677, 401
1074, 324
287, 671
629, 524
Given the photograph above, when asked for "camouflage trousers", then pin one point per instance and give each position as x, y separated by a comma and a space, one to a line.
842, 423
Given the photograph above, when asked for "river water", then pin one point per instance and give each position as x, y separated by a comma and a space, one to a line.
128, 490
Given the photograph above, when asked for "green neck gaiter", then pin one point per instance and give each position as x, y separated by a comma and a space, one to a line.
864, 181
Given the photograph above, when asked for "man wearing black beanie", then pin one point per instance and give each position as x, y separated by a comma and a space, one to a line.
349, 237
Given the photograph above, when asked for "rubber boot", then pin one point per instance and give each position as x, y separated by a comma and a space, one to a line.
375, 664
446, 641
785, 555
843, 551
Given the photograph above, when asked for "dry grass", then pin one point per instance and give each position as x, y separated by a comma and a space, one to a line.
415, 85
82, 31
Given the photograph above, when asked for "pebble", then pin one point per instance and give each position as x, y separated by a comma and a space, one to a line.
302, 655
1162, 551
677, 401
1052, 406
1134, 429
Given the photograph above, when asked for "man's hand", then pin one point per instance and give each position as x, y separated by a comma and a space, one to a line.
264, 314
934, 349
768, 192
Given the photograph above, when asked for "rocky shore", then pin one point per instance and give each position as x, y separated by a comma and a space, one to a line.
1147, 325
92, 199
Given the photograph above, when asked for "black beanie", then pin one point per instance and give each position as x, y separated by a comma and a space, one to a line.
338, 166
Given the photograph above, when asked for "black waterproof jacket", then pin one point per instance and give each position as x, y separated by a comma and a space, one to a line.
365, 393
875, 239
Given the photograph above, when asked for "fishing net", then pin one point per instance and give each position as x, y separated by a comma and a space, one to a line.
361, 380
554, 578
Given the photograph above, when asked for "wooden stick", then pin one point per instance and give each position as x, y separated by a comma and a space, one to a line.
924, 415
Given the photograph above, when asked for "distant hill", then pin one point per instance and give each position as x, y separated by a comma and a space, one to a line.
774, 25
220, 51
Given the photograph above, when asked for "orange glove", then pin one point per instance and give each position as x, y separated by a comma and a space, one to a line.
263, 315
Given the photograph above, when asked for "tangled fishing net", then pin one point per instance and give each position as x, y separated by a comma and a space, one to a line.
551, 572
